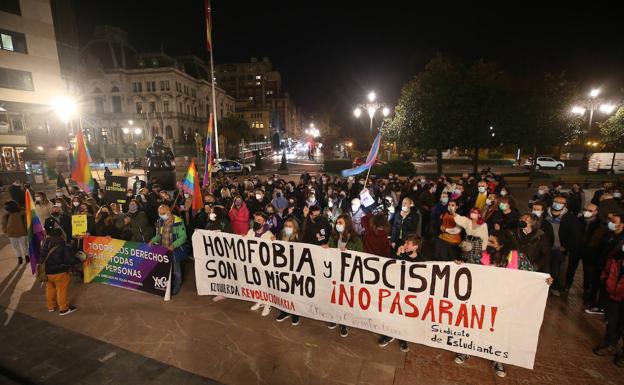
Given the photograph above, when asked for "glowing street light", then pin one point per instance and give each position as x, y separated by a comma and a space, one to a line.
372, 96
65, 108
371, 112
138, 131
371, 107
357, 112
578, 110
385, 111
125, 130
607, 108
594, 93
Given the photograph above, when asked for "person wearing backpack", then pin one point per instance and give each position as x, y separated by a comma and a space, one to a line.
58, 259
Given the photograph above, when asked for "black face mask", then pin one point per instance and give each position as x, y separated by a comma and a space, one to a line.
279, 195
522, 224
257, 226
491, 250
56, 214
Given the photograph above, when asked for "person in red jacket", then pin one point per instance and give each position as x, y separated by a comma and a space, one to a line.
239, 216
613, 280
376, 234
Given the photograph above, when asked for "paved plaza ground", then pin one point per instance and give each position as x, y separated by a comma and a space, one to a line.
123, 337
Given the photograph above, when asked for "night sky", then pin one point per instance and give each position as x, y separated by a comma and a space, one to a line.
331, 53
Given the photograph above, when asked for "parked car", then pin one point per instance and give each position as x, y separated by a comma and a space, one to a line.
361, 159
223, 167
544, 162
601, 162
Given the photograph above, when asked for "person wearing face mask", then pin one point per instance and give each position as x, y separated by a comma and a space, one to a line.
500, 252
447, 243
613, 283
543, 195
58, 194
566, 240
257, 201
476, 235
480, 199
438, 210
59, 220
274, 221
332, 211
239, 216
311, 200
608, 205
406, 223
105, 223
533, 244
344, 237
75, 208
316, 228
592, 232
171, 234
290, 233
218, 220
42, 206
606, 185
98, 196
357, 213
612, 239
260, 230
141, 229
279, 201
506, 218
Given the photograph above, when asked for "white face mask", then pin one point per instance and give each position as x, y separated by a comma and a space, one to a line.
59, 194
186, 195
488, 202
481, 189
391, 209
330, 204
339, 228
58, 205
587, 214
503, 193
355, 207
38, 199
258, 196
76, 204
405, 208
213, 217
538, 213
164, 216
288, 231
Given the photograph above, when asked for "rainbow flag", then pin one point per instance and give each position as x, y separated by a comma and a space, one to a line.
35, 232
191, 186
80, 170
208, 15
208, 151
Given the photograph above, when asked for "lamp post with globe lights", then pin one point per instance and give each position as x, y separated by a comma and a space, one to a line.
371, 108
591, 104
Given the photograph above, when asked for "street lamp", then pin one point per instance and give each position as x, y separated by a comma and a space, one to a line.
65, 108
371, 107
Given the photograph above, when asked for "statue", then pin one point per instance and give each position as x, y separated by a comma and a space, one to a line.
161, 164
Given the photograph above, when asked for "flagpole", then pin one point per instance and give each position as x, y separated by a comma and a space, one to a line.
368, 173
214, 103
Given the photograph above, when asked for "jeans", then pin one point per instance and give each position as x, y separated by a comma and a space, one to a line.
20, 246
177, 278
615, 319
56, 291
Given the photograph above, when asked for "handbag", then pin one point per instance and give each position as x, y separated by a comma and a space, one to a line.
42, 277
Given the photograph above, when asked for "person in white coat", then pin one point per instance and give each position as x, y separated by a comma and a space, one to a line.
476, 235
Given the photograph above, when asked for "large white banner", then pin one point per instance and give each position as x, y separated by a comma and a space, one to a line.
494, 313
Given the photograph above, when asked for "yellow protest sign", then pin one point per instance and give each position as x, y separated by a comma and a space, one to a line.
79, 224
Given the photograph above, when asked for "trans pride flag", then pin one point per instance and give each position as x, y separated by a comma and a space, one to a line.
80, 170
370, 159
191, 186
35, 232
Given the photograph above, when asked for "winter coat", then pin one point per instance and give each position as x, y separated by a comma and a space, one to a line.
402, 227
14, 224
43, 211
239, 219
178, 232
354, 243
63, 221
375, 241
62, 257
142, 230
536, 247
612, 278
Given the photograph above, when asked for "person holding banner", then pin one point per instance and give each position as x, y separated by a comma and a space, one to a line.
500, 252
171, 234
344, 237
316, 228
260, 230
290, 233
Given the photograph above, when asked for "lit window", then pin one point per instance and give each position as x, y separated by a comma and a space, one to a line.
258, 83
7, 42
258, 77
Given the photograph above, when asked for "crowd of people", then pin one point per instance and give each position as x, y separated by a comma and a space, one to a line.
470, 219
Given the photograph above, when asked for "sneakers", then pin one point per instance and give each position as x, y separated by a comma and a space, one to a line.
385, 340
51, 310
282, 317
595, 310
404, 346
461, 358
68, 311
218, 298
256, 306
294, 320
331, 325
343, 331
499, 369
605, 350
266, 310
